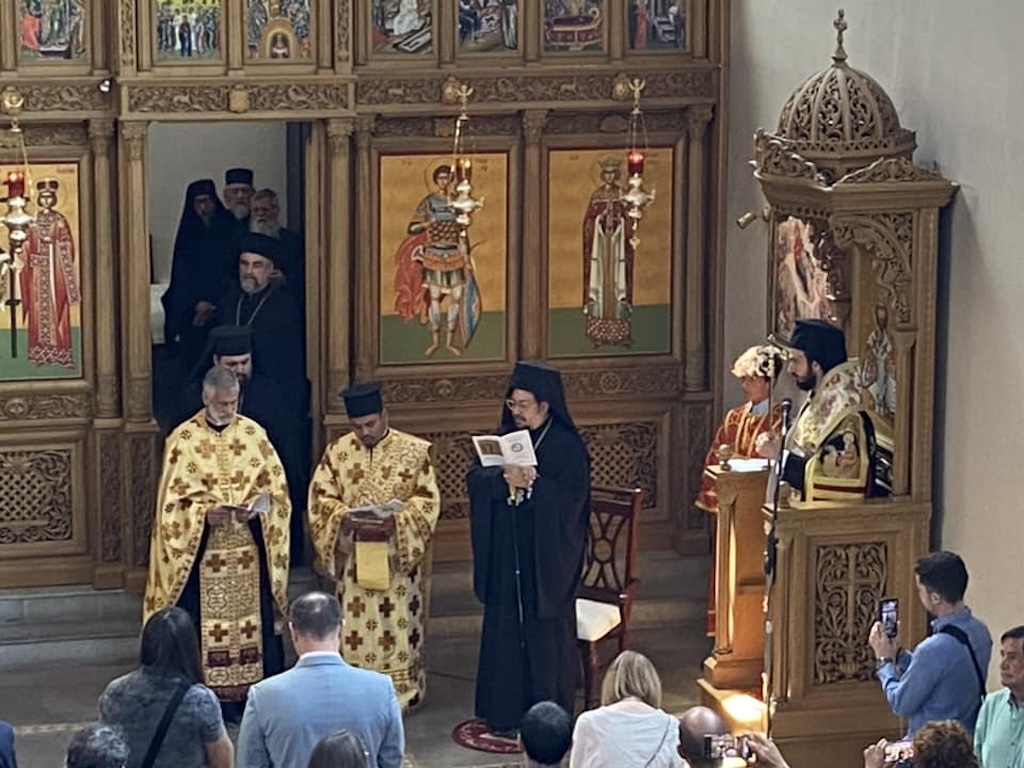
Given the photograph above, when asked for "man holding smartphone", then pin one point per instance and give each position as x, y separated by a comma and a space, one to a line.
944, 677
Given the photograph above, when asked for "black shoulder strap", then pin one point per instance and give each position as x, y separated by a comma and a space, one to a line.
960, 635
165, 724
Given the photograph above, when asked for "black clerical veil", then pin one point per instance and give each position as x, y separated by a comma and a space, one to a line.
545, 384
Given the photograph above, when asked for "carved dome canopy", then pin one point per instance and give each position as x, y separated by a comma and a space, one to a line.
841, 118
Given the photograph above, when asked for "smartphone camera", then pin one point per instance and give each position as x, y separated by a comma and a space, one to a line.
899, 754
717, 747
889, 615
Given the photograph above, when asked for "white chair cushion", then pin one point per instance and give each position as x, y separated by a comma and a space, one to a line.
594, 619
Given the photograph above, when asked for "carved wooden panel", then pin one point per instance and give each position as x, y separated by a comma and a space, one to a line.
111, 506
453, 454
850, 579
698, 438
625, 456
142, 493
35, 496
45, 406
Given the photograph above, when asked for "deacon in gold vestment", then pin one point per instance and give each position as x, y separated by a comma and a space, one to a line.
224, 564
378, 552
757, 369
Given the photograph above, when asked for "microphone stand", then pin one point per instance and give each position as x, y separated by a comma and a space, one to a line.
770, 554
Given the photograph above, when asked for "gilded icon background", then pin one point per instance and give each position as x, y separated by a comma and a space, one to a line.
488, 25
606, 297
278, 30
48, 289
402, 26
442, 294
656, 24
52, 30
801, 285
188, 30
574, 25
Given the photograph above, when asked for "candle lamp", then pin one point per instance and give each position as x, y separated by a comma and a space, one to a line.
15, 184
635, 163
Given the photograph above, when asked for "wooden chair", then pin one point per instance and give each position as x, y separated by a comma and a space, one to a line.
605, 596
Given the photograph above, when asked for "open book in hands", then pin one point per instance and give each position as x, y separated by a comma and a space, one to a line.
376, 512
514, 449
258, 505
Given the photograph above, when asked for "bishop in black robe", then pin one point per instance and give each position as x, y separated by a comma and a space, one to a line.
528, 548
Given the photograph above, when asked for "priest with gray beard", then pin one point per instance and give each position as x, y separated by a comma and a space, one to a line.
272, 313
265, 219
238, 191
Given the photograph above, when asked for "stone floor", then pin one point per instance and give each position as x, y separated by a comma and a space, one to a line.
46, 704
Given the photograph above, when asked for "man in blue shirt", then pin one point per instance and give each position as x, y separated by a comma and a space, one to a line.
943, 679
999, 737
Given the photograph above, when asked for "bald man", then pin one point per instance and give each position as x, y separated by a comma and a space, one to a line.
694, 724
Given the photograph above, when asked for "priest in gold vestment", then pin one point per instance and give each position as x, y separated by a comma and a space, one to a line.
757, 369
830, 452
219, 546
373, 506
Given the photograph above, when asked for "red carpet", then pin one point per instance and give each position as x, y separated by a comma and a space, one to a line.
473, 734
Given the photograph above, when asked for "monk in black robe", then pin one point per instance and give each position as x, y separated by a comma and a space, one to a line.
271, 312
201, 271
529, 530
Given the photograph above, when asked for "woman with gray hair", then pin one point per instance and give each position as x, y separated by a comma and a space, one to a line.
629, 729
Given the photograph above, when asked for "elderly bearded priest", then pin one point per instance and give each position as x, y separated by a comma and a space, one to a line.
381, 563
221, 528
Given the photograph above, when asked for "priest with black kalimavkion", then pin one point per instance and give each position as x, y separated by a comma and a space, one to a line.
529, 532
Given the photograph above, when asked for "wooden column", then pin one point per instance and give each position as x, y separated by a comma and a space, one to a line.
108, 388
339, 264
530, 261
695, 325
9, 19
365, 315
135, 272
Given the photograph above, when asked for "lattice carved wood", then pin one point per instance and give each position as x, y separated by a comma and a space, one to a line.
888, 239
625, 456
850, 579
453, 454
35, 496
111, 478
142, 452
698, 438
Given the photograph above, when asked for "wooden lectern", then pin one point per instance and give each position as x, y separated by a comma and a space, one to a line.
835, 561
737, 660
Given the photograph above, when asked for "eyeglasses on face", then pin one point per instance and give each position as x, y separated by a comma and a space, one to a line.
520, 405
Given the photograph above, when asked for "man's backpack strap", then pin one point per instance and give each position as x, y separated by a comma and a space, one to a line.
961, 636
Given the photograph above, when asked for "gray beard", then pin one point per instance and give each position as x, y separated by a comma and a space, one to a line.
239, 210
268, 228
217, 422
249, 286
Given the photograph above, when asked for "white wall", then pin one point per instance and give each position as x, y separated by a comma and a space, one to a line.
180, 153
950, 69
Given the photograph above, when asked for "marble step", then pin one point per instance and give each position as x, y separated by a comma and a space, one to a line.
77, 624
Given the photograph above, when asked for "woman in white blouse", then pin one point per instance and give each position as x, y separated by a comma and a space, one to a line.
628, 730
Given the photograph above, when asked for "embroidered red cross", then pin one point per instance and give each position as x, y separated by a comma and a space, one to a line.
237, 447
215, 563
353, 640
386, 607
355, 607
218, 632
206, 449
387, 641
179, 487
246, 559
405, 474
249, 629
356, 473
238, 478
